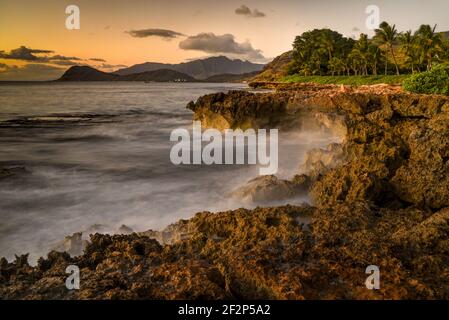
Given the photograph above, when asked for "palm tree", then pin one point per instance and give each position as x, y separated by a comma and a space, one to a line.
386, 35
336, 65
347, 64
408, 42
414, 60
430, 43
327, 43
362, 50
375, 57
356, 63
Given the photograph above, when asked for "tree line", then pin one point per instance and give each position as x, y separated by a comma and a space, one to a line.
327, 52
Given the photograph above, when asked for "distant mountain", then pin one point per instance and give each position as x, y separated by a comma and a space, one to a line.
160, 75
199, 69
85, 73
229, 77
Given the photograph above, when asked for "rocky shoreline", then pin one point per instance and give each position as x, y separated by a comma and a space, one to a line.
381, 197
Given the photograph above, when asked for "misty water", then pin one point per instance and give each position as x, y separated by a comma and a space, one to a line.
98, 153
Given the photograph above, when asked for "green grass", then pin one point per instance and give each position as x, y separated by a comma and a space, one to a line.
347, 80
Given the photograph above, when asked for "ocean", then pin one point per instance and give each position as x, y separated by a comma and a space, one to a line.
99, 154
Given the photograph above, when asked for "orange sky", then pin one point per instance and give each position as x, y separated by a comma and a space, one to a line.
41, 25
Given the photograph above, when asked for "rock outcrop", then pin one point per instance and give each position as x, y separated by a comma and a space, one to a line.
395, 151
381, 197
264, 189
266, 253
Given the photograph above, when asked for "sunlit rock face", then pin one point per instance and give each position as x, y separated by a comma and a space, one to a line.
394, 147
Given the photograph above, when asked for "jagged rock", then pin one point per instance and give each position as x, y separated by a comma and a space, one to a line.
332, 122
97, 228
73, 244
270, 188
175, 232
424, 178
265, 253
398, 159
239, 109
318, 161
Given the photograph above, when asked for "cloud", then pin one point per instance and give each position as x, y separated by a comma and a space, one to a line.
97, 59
63, 58
30, 72
211, 43
161, 33
245, 11
38, 56
110, 66
24, 53
67, 63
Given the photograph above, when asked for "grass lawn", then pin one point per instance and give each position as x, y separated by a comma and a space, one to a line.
348, 80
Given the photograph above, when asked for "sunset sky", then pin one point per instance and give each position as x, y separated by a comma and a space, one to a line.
118, 33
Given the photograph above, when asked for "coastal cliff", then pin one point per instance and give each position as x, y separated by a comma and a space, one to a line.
380, 197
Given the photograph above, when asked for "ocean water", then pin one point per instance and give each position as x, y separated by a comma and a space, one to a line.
98, 153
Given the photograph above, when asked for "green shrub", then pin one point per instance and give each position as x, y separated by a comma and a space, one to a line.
435, 81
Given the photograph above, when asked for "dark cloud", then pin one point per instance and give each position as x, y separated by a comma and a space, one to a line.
26, 54
38, 56
247, 12
97, 59
64, 61
110, 66
243, 10
211, 43
63, 58
258, 14
161, 33
30, 72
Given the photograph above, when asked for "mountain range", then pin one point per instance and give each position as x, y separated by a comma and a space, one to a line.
215, 69
199, 69
86, 73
